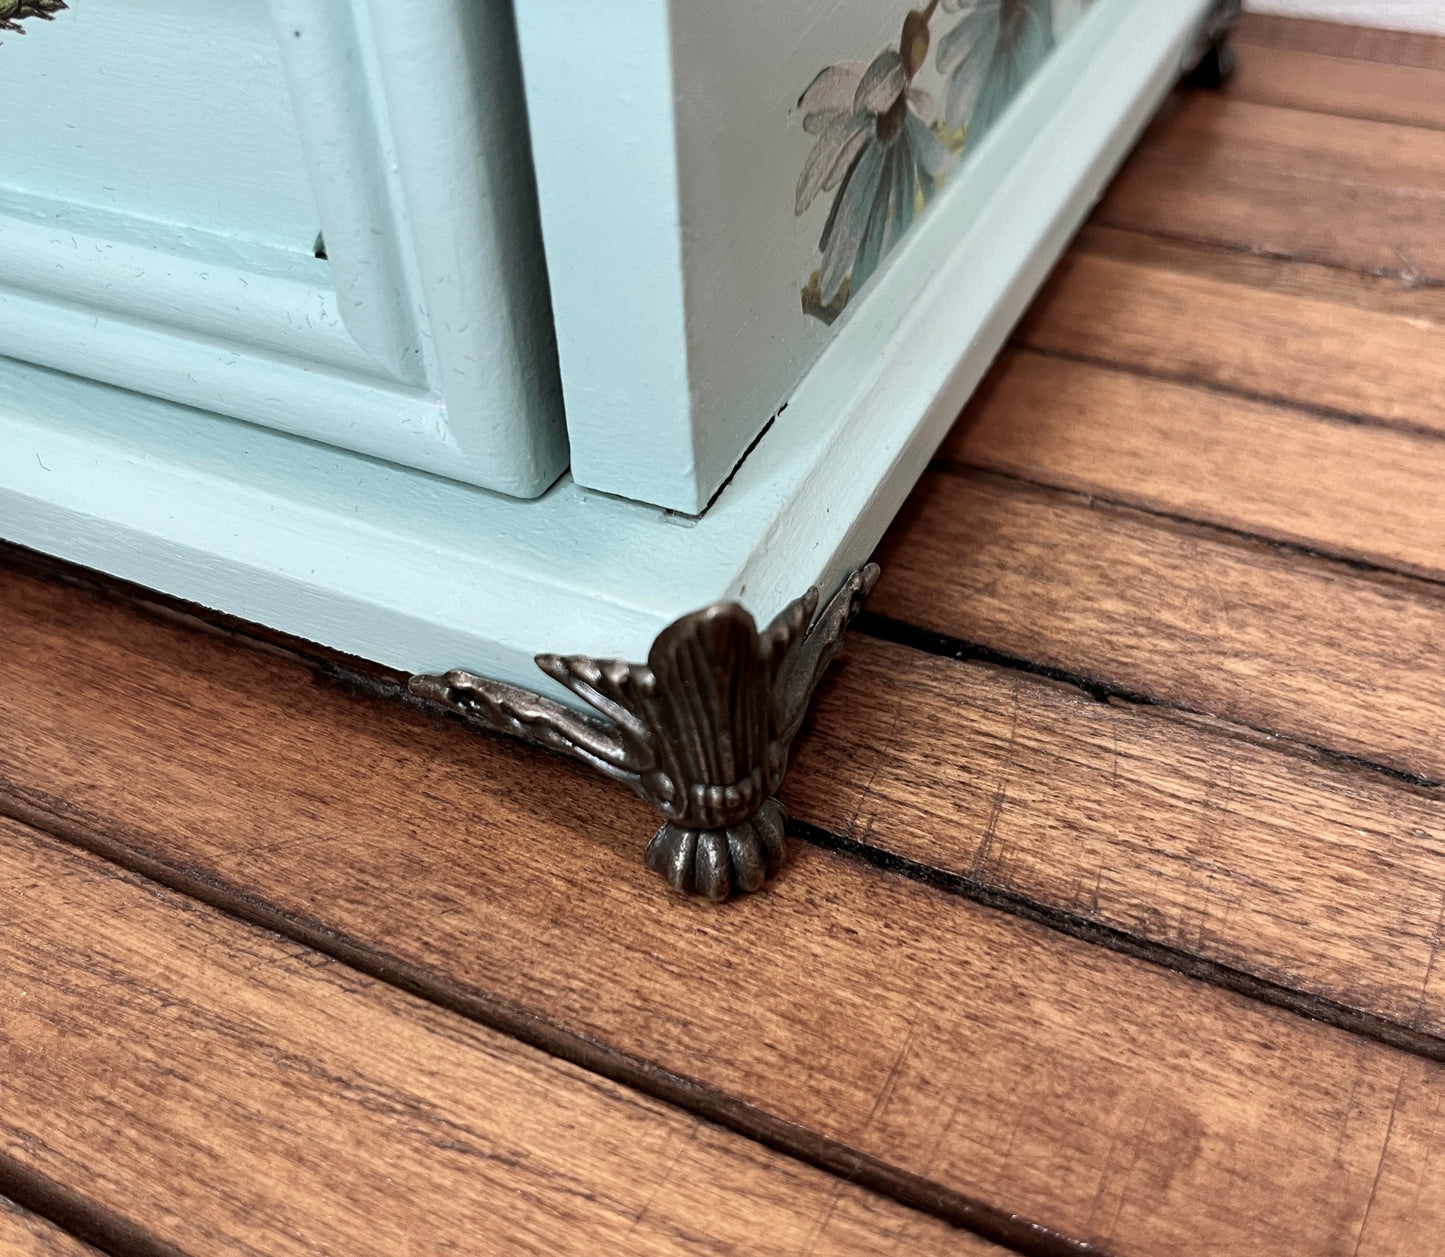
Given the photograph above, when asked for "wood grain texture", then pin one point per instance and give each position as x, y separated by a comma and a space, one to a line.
1286, 332
1339, 85
1411, 15
1110, 1099
1316, 875
1339, 39
1359, 491
1180, 614
1344, 191
231, 1091
343, 1086
23, 1234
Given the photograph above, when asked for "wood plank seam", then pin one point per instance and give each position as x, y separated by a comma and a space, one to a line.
1361, 493
229, 1090
93, 1224
952, 467
51, 817
1245, 321
995, 520
1314, 410
1249, 88
1338, 39
67, 824
1229, 170
1382, 1030
42, 814
1406, 277
1339, 77
885, 628
1315, 111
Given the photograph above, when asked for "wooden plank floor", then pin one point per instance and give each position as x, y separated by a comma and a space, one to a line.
1117, 873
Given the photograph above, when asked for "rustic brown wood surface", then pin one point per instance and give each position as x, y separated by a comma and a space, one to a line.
1302, 334
1333, 84
1320, 481
1324, 877
1118, 877
1347, 191
24, 1234
1177, 613
1334, 39
1099, 1095
233, 1091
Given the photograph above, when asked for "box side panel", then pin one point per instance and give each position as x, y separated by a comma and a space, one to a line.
600, 108
808, 139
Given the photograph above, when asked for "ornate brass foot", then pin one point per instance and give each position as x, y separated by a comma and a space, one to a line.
701, 730
717, 862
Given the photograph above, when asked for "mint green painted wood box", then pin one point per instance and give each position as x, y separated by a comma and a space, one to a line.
307, 306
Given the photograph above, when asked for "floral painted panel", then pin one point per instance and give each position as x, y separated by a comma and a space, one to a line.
723, 177
889, 132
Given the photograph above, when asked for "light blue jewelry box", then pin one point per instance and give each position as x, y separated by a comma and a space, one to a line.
364, 449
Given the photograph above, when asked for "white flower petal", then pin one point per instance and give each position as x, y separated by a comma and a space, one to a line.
833, 88
831, 156
923, 105
867, 130
817, 122
882, 84
849, 219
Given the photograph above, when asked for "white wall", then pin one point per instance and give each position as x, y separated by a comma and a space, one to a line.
1403, 15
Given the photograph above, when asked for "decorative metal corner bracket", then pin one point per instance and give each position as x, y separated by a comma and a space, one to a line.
701, 730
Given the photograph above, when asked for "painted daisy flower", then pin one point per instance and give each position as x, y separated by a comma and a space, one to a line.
991, 50
875, 145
